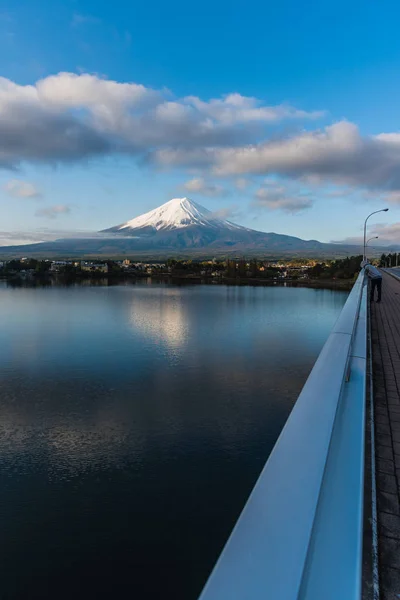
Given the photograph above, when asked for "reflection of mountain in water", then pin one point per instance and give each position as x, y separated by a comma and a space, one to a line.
161, 315
133, 410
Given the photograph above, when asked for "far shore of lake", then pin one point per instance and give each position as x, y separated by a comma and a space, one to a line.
33, 280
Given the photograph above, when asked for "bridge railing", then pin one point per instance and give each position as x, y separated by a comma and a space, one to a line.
300, 533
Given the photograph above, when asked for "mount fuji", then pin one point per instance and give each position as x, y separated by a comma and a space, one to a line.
178, 213
183, 224
178, 227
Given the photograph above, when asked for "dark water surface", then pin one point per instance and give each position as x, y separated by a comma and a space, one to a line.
134, 421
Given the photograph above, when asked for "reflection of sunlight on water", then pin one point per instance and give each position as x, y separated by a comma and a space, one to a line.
91, 448
135, 410
161, 317
71, 448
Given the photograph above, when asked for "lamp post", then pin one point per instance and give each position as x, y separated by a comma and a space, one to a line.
365, 225
375, 237
372, 238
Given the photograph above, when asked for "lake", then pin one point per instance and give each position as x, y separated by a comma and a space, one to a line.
135, 420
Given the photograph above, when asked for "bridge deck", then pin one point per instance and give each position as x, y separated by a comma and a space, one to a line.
385, 327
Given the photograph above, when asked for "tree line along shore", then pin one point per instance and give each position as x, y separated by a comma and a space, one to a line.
315, 273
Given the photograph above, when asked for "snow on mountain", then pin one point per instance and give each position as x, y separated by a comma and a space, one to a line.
178, 213
182, 224
179, 227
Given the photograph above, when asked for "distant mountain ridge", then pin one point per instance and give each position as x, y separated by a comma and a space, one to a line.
182, 223
184, 228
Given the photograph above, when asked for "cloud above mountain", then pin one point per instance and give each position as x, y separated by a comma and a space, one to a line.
336, 154
68, 117
387, 232
198, 185
52, 212
21, 189
280, 198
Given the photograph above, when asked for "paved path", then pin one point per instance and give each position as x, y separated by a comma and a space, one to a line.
385, 326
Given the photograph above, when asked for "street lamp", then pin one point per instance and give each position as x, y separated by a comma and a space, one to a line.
365, 225
375, 237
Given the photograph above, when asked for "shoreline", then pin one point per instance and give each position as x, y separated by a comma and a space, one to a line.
110, 279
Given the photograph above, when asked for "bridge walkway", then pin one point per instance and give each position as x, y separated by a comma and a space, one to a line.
385, 332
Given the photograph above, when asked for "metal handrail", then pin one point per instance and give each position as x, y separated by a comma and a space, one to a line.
283, 545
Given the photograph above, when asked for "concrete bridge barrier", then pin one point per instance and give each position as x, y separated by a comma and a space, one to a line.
300, 533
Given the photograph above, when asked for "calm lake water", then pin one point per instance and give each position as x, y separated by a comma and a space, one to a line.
135, 420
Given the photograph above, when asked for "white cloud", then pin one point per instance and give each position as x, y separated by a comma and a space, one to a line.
68, 117
8, 238
21, 189
325, 152
386, 232
279, 198
202, 157
235, 108
100, 96
198, 185
228, 212
337, 154
52, 212
392, 197
339, 193
45, 234
241, 183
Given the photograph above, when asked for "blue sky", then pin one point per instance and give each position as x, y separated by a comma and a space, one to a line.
283, 116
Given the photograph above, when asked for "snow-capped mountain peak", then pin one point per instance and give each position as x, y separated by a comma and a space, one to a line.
178, 227
178, 213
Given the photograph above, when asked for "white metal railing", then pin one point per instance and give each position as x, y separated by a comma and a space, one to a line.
393, 272
300, 533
